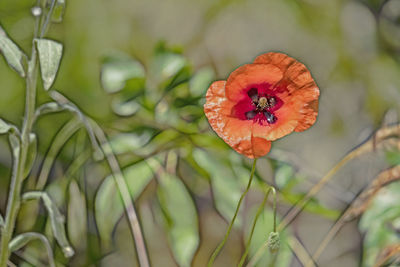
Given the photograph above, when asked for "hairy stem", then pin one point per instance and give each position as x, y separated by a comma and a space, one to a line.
221, 245
17, 178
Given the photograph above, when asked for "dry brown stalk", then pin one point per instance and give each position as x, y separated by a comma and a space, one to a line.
359, 206
384, 137
388, 253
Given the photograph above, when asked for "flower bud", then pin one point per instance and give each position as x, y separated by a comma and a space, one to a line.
274, 242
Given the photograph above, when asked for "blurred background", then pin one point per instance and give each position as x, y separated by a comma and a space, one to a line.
166, 54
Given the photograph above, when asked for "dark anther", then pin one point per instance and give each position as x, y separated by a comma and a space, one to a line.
270, 117
253, 94
250, 114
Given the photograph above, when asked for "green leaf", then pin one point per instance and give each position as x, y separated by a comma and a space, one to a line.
283, 175
180, 218
32, 150
129, 142
76, 220
56, 219
12, 54
117, 70
50, 53
261, 234
165, 66
226, 188
4, 127
108, 204
1, 221
58, 11
200, 82
23, 239
125, 108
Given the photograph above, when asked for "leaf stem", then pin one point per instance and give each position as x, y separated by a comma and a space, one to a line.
221, 245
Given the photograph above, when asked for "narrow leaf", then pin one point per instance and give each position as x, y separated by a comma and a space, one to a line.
108, 204
22, 240
32, 150
1, 221
76, 223
180, 218
56, 219
50, 53
12, 54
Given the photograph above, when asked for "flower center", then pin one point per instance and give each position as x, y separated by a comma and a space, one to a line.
263, 104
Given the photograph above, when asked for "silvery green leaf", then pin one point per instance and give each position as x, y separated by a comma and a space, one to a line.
128, 142
180, 218
11, 52
125, 108
117, 70
4, 127
76, 216
200, 82
108, 204
32, 150
23, 239
56, 219
227, 191
50, 53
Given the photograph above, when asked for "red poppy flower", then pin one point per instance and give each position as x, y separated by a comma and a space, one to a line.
262, 102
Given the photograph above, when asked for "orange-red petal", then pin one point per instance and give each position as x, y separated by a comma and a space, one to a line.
299, 82
249, 74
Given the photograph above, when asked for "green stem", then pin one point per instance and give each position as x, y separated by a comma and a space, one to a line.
14, 198
17, 178
259, 211
221, 245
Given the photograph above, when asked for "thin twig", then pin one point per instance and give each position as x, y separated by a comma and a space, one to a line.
300, 251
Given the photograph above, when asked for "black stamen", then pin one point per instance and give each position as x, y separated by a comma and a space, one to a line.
253, 94
250, 114
270, 117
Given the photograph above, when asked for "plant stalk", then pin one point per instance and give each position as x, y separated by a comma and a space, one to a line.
17, 178
221, 245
